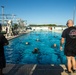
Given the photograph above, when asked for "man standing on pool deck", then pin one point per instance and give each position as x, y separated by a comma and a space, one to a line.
69, 37
3, 42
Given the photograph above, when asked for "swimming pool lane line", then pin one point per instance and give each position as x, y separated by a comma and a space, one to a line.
31, 72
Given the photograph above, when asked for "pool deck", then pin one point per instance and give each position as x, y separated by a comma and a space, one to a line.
34, 69
12, 37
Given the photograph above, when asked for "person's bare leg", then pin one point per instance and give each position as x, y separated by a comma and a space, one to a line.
69, 64
73, 63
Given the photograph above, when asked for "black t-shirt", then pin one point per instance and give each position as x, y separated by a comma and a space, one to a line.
3, 40
70, 37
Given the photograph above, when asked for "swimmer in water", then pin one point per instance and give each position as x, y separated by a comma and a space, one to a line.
35, 51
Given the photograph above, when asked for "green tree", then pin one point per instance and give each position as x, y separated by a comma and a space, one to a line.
15, 26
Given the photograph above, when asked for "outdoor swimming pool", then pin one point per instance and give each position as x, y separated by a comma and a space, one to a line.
17, 52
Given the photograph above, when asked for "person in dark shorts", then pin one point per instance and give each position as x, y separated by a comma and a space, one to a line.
69, 38
3, 42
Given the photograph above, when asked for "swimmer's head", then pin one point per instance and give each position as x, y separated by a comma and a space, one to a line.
55, 45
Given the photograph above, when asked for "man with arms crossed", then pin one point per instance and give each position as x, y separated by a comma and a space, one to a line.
69, 37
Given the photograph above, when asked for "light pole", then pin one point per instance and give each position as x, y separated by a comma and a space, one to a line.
74, 16
2, 14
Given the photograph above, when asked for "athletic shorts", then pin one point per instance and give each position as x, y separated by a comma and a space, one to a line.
69, 52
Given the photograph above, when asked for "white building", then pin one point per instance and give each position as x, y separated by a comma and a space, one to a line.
47, 28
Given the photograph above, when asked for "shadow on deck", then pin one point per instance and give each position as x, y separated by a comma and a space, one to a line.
14, 69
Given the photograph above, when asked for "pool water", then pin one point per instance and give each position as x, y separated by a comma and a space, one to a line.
17, 52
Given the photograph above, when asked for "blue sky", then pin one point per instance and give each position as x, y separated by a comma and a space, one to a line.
40, 11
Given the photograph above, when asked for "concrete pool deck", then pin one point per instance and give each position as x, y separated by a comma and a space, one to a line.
12, 37
34, 69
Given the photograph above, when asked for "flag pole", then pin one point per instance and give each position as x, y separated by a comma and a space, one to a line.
74, 15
